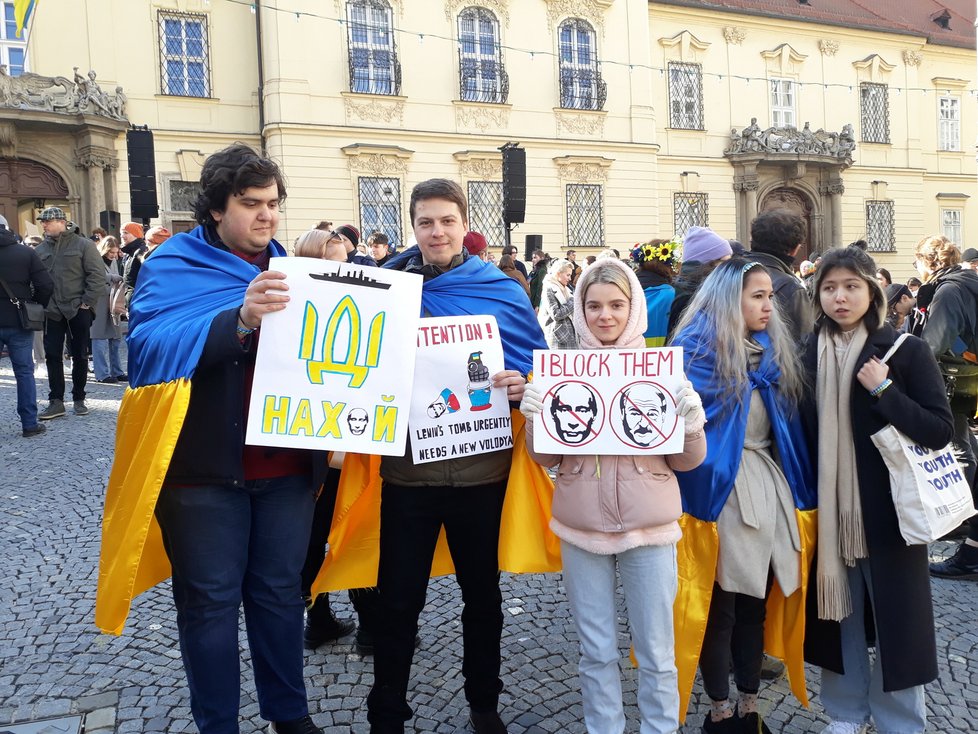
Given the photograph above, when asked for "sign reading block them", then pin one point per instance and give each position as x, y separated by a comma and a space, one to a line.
608, 401
335, 368
456, 411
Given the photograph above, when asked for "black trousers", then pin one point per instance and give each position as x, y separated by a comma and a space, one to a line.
410, 521
734, 629
966, 452
366, 602
76, 332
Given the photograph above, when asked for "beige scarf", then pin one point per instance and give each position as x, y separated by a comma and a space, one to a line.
841, 536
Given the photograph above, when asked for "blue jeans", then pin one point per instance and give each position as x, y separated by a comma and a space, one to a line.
649, 580
105, 356
20, 345
229, 545
858, 694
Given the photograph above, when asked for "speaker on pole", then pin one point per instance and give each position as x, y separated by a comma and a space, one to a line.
534, 242
142, 174
514, 184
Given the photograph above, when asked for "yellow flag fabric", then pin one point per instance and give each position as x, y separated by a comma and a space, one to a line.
133, 558
526, 543
784, 627
22, 11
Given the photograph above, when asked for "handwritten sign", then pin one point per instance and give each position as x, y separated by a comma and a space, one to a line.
608, 401
334, 368
456, 411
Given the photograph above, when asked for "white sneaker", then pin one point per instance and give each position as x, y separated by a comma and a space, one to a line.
845, 727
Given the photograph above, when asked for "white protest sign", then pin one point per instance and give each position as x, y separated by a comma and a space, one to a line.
455, 410
334, 368
608, 401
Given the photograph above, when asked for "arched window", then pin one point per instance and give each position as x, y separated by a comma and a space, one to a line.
374, 68
581, 85
481, 74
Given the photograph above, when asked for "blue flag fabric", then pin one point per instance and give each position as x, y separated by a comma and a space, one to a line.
182, 287
476, 288
706, 488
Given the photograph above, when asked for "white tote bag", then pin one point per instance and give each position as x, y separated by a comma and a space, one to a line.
929, 489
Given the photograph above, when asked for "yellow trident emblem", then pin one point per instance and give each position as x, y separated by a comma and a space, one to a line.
345, 319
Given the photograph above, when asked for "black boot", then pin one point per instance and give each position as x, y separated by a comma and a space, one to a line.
322, 626
962, 565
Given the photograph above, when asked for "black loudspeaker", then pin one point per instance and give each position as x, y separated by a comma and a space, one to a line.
514, 185
534, 242
142, 174
110, 221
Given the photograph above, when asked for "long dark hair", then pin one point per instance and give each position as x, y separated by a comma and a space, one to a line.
854, 259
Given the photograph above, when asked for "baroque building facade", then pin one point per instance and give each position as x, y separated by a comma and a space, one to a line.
639, 118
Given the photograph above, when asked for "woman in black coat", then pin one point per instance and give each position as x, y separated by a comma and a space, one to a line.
860, 546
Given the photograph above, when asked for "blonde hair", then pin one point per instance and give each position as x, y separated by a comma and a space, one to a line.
312, 243
107, 243
938, 252
602, 272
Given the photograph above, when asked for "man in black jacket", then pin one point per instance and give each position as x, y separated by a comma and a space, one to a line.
775, 237
27, 280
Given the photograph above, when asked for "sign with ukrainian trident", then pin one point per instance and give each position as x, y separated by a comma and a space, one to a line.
456, 411
335, 368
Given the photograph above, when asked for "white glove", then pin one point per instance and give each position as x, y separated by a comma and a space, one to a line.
690, 407
532, 402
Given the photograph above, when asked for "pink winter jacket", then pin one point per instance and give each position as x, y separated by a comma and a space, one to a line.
610, 504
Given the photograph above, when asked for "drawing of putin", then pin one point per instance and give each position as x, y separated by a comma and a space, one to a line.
574, 409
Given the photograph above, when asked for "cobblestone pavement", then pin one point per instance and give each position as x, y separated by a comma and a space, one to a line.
53, 661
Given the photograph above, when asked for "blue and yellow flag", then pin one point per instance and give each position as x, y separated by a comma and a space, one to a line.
182, 287
22, 14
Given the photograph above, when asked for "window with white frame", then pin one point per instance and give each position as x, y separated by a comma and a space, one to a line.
880, 229
581, 85
486, 211
374, 68
13, 49
481, 74
585, 215
685, 95
380, 207
874, 112
690, 210
184, 55
951, 224
949, 123
782, 103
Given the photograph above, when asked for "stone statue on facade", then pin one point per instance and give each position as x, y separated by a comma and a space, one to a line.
789, 139
83, 95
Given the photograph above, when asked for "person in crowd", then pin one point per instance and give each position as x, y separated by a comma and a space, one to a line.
379, 248
463, 494
325, 226
106, 333
514, 253
947, 319
556, 314
900, 305
914, 284
757, 476
775, 238
866, 577
588, 260
654, 262
133, 239
25, 279
806, 270
97, 234
234, 518
155, 237
540, 261
703, 249
79, 281
508, 265
331, 245
575, 268
883, 276
476, 245
635, 532
969, 259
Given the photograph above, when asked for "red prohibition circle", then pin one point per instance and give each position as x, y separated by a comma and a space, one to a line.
665, 436
598, 419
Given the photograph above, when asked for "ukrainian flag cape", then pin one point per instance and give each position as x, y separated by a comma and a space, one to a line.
705, 491
526, 544
182, 287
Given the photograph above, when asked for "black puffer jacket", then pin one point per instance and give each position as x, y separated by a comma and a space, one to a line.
947, 316
25, 276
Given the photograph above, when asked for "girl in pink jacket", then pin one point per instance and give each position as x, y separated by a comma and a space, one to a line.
620, 512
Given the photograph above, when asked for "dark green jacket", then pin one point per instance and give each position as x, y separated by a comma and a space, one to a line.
78, 273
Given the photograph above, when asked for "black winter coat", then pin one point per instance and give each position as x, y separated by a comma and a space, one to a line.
25, 276
790, 295
904, 619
